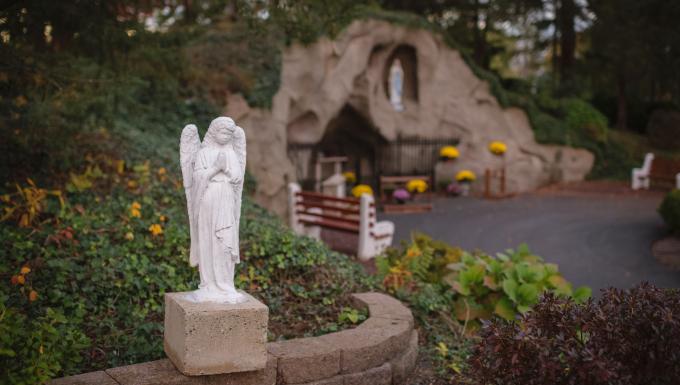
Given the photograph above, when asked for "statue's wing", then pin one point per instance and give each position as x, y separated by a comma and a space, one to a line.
189, 144
239, 144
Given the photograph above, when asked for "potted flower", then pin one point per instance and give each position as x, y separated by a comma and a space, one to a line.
350, 178
416, 186
401, 195
448, 153
361, 189
465, 178
454, 189
498, 148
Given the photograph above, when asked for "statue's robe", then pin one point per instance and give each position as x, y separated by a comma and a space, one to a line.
214, 232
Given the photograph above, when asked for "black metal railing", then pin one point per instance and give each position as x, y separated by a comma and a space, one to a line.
404, 156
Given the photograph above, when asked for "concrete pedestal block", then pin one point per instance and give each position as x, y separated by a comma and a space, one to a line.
213, 338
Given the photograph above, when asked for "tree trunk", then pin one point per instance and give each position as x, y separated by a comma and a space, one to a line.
567, 40
480, 40
621, 110
555, 54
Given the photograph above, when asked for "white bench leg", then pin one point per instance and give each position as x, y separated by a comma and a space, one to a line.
639, 180
312, 231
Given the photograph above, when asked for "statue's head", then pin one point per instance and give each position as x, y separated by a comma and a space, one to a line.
220, 131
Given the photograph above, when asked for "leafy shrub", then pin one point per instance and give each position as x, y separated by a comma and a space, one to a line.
583, 119
482, 285
505, 285
670, 210
452, 292
627, 337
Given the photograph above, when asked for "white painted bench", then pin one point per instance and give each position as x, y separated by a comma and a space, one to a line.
640, 175
311, 211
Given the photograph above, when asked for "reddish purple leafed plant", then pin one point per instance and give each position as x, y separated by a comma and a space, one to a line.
626, 337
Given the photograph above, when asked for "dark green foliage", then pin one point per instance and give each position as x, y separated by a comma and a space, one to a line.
626, 337
670, 210
663, 128
60, 106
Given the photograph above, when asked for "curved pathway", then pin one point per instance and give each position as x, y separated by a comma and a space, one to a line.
599, 240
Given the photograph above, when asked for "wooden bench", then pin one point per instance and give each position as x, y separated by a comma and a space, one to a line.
665, 172
309, 212
661, 171
390, 183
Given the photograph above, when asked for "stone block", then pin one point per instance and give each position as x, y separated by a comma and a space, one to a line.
403, 365
305, 360
337, 380
383, 306
382, 375
214, 338
374, 342
163, 372
99, 378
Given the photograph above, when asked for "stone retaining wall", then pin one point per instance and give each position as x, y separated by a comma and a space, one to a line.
381, 351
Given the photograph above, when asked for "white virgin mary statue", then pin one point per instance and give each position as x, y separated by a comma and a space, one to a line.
213, 174
396, 85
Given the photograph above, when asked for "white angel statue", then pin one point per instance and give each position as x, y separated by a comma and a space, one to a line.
213, 174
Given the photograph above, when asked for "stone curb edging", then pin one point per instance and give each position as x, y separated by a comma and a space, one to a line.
380, 351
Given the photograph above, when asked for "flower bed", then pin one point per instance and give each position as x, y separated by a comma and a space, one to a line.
100, 263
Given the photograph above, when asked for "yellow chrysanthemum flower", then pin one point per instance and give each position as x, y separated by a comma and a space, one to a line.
25, 270
498, 148
449, 152
135, 210
350, 177
156, 229
465, 176
361, 189
416, 186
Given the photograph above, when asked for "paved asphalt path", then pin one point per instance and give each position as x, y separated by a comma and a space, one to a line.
597, 240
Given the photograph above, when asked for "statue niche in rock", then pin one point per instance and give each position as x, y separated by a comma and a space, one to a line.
213, 173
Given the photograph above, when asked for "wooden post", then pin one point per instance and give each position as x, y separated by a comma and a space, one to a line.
503, 181
487, 183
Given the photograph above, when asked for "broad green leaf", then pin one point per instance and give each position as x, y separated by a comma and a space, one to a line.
505, 309
523, 309
472, 275
561, 286
510, 288
527, 294
490, 282
494, 267
551, 268
525, 273
461, 288
523, 249
582, 294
